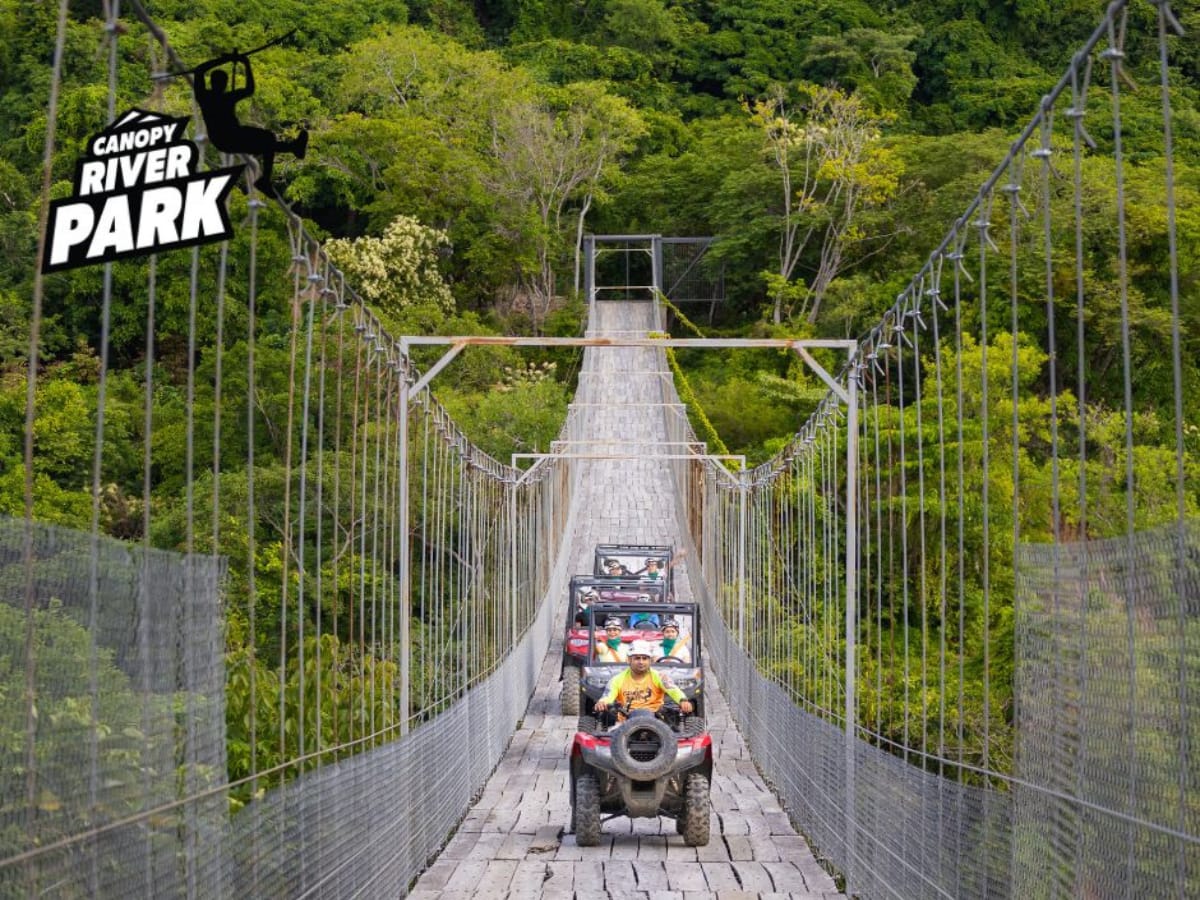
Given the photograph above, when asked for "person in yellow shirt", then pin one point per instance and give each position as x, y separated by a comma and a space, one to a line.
639, 686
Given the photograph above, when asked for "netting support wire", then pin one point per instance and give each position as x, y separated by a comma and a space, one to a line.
511, 489
743, 490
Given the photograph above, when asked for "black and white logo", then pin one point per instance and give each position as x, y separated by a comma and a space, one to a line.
138, 191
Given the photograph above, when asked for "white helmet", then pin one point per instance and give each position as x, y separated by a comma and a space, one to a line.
641, 648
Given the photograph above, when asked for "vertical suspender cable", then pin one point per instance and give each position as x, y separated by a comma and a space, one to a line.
1115, 53
35, 330
1165, 18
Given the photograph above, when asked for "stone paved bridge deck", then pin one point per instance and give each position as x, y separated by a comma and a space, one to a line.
514, 842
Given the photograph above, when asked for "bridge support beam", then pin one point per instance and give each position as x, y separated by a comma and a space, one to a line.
743, 521
405, 555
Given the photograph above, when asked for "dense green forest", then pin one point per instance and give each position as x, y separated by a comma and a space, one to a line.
457, 151
487, 137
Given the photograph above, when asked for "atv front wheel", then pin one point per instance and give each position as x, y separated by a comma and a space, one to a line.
570, 691
585, 814
693, 821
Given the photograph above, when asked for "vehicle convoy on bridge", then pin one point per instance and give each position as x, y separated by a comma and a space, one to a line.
642, 749
635, 572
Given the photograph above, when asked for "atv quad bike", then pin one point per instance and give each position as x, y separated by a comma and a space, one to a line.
649, 765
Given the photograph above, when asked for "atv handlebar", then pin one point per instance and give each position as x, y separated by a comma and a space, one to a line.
611, 711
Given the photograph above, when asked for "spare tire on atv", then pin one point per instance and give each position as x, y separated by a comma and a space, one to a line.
644, 748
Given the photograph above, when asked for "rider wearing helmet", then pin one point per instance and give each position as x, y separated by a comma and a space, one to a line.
652, 571
610, 649
587, 597
616, 568
639, 686
674, 645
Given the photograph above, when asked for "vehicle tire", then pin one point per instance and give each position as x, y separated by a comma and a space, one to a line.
589, 725
570, 691
693, 821
694, 726
644, 748
585, 814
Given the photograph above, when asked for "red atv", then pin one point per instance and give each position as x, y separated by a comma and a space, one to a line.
651, 764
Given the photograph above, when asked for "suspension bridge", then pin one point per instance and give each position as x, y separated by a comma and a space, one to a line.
952, 625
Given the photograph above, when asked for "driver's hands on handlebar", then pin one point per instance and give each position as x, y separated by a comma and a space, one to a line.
685, 705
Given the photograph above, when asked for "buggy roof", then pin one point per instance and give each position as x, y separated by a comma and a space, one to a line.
643, 549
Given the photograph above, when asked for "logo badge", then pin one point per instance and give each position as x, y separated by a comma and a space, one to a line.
138, 191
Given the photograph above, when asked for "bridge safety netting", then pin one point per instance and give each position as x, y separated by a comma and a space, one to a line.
957, 613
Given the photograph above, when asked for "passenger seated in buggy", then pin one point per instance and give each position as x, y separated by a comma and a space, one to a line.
673, 646
611, 649
587, 597
615, 568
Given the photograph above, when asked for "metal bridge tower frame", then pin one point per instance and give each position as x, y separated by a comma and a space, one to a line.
657, 287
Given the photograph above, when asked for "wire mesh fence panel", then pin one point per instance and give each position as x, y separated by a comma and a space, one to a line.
114, 721
1107, 808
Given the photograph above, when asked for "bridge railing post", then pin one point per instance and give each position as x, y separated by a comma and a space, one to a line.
851, 824
743, 491
405, 549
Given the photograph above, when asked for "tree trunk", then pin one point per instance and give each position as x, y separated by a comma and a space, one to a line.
587, 203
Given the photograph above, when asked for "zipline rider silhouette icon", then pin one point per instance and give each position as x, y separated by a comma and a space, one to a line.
218, 99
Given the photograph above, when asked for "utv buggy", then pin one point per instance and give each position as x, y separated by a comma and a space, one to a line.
645, 562
637, 763
587, 590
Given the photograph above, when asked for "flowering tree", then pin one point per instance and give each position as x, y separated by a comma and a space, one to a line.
398, 273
